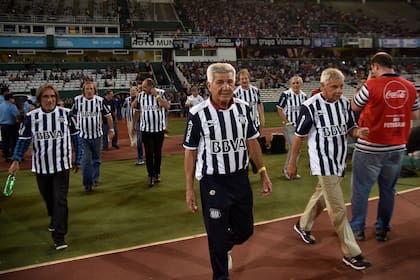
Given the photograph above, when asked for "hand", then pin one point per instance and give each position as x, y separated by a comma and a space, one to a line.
267, 185
291, 171
154, 92
14, 167
191, 200
76, 168
371, 75
362, 132
111, 133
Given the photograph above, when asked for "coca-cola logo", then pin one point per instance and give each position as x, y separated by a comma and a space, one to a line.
395, 94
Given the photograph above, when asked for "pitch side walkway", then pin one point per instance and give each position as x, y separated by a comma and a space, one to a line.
274, 252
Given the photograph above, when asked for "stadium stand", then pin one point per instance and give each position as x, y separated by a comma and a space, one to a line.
298, 18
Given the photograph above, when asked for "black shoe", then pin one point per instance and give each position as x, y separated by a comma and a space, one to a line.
59, 242
50, 227
61, 246
151, 182
88, 188
157, 179
307, 237
382, 235
116, 146
359, 235
357, 262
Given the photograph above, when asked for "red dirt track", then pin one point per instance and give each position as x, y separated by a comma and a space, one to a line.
274, 252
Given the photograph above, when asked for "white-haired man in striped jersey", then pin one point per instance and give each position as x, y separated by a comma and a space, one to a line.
325, 120
219, 139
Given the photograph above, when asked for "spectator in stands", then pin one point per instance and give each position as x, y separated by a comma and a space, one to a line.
379, 157
9, 114
151, 112
52, 157
288, 109
273, 19
109, 101
89, 108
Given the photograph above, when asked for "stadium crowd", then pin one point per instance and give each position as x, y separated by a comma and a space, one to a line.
280, 19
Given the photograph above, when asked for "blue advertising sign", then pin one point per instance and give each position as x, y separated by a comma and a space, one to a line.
88, 43
23, 42
324, 42
398, 43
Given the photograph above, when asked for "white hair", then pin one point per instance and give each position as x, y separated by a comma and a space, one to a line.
331, 74
219, 68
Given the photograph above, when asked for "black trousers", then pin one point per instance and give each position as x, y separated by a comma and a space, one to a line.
153, 142
9, 136
228, 216
54, 189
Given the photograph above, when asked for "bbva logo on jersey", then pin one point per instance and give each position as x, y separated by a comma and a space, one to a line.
46, 135
227, 145
334, 130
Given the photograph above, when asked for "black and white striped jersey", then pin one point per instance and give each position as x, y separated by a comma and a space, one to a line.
89, 114
51, 139
252, 97
220, 137
290, 103
326, 124
153, 115
128, 111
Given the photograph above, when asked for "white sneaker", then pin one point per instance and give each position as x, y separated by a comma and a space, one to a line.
285, 174
230, 262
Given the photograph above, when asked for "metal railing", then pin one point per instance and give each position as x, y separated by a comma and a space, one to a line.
59, 19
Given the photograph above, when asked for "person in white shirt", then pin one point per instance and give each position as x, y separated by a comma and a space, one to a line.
194, 98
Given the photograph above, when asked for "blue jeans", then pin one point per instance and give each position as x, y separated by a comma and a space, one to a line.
290, 135
367, 169
91, 160
105, 136
139, 142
